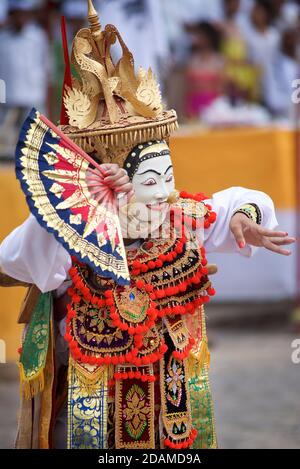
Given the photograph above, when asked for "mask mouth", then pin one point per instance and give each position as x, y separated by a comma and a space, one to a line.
159, 207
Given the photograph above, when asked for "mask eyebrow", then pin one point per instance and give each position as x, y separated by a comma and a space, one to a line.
171, 166
149, 171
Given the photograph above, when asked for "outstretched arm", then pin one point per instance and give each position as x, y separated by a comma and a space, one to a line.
235, 232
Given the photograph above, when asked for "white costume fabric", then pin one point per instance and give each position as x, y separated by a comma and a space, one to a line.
24, 66
30, 254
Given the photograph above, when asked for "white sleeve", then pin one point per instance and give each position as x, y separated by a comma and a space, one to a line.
32, 255
218, 238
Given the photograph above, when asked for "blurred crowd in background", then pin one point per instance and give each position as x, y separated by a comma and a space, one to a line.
219, 62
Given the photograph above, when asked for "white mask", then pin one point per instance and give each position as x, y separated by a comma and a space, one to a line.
153, 182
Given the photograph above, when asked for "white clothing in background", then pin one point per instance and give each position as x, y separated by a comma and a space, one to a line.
200, 10
24, 66
262, 47
279, 78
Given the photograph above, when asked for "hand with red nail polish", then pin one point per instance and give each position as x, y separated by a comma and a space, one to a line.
117, 179
246, 231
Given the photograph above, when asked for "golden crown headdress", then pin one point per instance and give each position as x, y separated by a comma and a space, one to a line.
110, 107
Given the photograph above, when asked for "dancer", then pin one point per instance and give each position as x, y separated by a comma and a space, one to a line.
115, 352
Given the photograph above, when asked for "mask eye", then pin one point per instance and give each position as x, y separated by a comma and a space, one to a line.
149, 182
169, 178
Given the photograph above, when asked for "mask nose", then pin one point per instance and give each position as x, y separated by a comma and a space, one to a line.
162, 193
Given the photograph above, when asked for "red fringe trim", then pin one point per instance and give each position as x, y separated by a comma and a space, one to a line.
182, 355
137, 331
134, 374
138, 267
184, 444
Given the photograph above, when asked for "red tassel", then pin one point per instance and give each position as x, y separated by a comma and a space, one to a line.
140, 284
135, 272
211, 291
108, 293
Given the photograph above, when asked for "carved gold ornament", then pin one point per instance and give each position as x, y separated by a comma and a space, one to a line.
112, 108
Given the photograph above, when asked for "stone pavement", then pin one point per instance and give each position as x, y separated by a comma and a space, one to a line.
9, 399
255, 388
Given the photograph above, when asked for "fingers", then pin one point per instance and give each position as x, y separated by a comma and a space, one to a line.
129, 195
237, 232
112, 178
124, 188
117, 179
110, 168
124, 198
274, 239
282, 241
257, 235
120, 181
114, 174
274, 248
275, 234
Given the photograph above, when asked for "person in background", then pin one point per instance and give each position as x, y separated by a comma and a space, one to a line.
178, 13
291, 13
24, 67
232, 16
286, 13
204, 74
246, 6
278, 16
3, 11
261, 37
281, 75
237, 106
262, 40
242, 77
